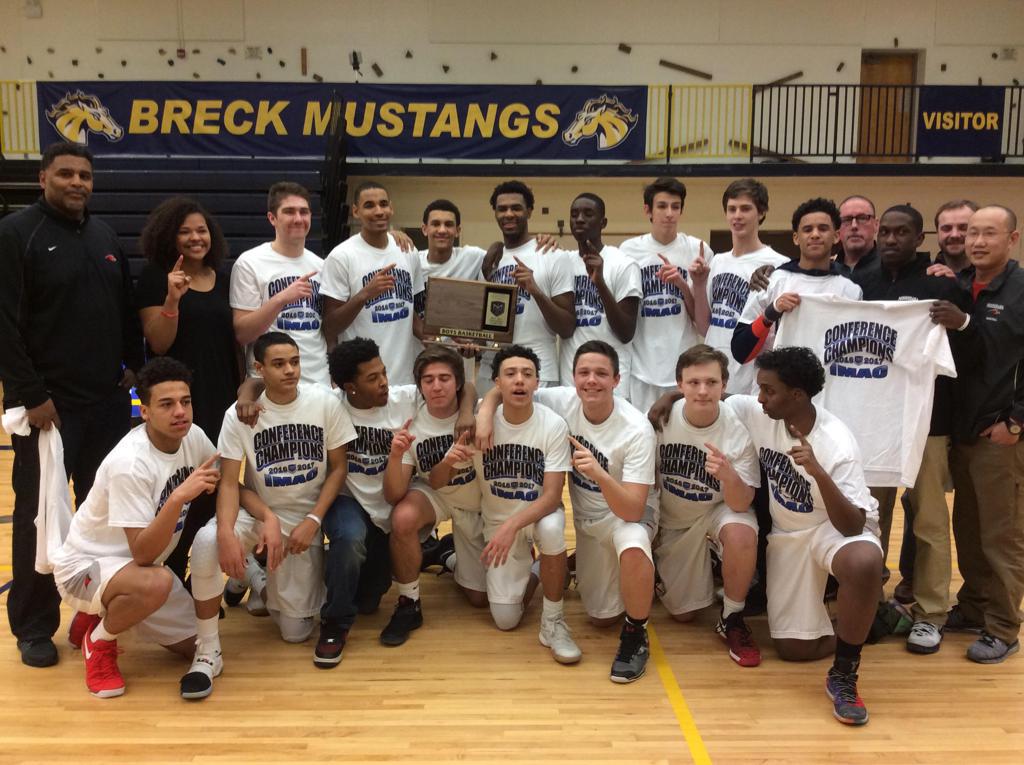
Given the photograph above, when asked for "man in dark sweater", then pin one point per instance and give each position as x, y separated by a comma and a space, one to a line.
903, 276
69, 337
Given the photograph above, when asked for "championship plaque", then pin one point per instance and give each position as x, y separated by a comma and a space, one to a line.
464, 311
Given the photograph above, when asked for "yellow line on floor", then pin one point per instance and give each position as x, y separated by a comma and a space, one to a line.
678, 702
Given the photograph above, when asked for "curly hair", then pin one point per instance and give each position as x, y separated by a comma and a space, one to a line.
159, 238
796, 367
512, 187
818, 204
343, 362
160, 370
514, 352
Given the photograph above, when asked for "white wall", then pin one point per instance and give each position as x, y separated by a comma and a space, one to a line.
735, 41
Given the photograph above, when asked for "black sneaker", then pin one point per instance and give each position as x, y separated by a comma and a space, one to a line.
329, 646
957, 622
631, 660
38, 652
435, 550
408, 616
847, 705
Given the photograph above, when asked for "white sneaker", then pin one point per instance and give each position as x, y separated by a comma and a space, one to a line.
924, 637
207, 664
257, 585
555, 634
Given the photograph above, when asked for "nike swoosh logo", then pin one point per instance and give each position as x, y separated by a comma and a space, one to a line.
51, 249
88, 653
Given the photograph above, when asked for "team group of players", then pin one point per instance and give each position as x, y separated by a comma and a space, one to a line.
354, 441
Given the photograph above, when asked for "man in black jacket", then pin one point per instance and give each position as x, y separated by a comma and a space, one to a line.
903, 276
68, 331
987, 461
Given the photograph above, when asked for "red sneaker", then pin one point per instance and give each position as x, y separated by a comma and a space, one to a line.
742, 648
81, 624
102, 676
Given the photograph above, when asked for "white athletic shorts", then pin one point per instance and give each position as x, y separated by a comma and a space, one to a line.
297, 587
643, 395
799, 563
468, 528
683, 558
600, 543
172, 623
506, 584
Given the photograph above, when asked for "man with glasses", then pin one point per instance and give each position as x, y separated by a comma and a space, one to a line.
857, 231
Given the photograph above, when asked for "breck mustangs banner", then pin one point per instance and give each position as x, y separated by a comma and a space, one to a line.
386, 121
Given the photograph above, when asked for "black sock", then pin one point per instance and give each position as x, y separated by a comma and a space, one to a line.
847, 658
639, 623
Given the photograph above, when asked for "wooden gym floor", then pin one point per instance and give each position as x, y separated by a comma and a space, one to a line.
460, 691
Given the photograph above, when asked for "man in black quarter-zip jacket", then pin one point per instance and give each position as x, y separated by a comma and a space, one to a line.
987, 461
68, 331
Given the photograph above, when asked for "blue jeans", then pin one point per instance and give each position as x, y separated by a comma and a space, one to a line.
358, 565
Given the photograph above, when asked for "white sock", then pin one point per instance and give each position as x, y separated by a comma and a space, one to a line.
411, 590
730, 606
100, 632
207, 631
552, 609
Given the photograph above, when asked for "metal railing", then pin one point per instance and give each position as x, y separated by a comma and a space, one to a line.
19, 128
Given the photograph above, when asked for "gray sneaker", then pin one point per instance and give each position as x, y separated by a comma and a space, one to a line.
631, 660
988, 649
924, 637
555, 634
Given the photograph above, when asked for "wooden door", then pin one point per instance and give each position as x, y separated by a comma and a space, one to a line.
887, 107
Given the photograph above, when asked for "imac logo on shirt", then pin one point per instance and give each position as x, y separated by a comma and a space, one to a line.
728, 296
514, 471
430, 452
589, 306
301, 314
577, 477
504, 276
660, 299
859, 349
684, 473
789, 488
369, 453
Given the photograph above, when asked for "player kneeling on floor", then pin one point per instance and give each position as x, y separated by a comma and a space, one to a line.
444, 488
295, 463
109, 568
707, 472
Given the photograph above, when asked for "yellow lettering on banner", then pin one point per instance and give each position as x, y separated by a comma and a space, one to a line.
143, 120
233, 126
392, 127
547, 116
421, 111
475, 120
447, 123
176, 113
993, 121
961, 120
522, 120
354, 130
207, 120
268, 115
316, 119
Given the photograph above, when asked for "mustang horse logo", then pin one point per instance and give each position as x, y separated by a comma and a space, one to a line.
606, 114
77, 114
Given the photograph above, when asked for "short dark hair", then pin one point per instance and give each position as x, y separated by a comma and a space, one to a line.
511, 352
282, 189
910, 212
267, 339
861, 197
750, 187
343, 362
1011, 216
445, 205
64, 149
954, 204
796, 367
701, 354
593, 198
818, 204
159, 239
512, 187
366, 186
666, 184
160, 370
597, 346
438, 354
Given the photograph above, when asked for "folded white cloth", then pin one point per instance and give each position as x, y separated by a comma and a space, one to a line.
53, 516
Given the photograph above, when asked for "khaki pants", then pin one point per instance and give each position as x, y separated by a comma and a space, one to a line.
886, 497
933, 563
988, 525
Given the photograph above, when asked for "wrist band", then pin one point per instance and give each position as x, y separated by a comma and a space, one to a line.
315, 518
962, 327
168, 315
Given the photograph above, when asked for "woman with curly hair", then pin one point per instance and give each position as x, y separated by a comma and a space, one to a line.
182, 297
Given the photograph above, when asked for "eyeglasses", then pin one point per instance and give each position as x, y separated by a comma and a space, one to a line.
862, 220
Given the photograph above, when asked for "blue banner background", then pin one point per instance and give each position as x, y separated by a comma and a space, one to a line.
940, 107
565, 122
